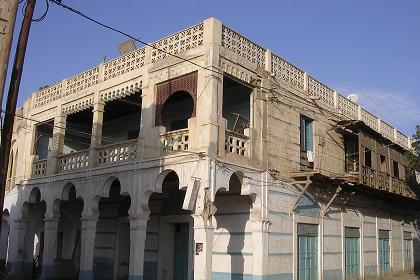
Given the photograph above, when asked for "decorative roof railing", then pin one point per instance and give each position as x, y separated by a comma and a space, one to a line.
177, 43
232, 41
243, 47
124, 64
287, 72
185, 40
316, 88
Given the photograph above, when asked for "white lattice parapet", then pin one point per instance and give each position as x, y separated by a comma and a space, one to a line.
236, 143
317, 88
82, 81
74, 161
401, 139
39, 167
347, 107
118, 152
243, 47
48, 94
124, 64
370, 120
185, 40
387, 130
289, 73
175, 141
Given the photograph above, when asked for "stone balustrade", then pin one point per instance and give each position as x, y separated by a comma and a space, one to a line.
74, 161
104, 155
174, 141
39, 167
119, 152
236, 143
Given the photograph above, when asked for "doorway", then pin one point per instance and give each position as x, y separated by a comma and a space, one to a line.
181, 244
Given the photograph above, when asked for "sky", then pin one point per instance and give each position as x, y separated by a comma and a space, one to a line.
368, 47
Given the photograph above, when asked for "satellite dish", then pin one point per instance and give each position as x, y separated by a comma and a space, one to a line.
353, 97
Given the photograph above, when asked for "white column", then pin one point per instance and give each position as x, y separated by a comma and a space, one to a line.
138, 227
59, 131
18, 256
260, 249
96, 138
98, 117
88, 233
50, 245
203, 248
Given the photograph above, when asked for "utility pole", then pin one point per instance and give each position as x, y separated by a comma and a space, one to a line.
9, 116
6, 45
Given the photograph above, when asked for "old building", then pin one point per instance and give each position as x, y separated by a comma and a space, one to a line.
205, 156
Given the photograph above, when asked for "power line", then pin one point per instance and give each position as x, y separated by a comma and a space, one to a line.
59, 3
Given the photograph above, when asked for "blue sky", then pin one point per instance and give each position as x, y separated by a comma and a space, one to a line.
369, 47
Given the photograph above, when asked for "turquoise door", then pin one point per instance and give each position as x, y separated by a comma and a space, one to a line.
352, 252
384, 263
181, 242
352, 257
307, 252
407, 245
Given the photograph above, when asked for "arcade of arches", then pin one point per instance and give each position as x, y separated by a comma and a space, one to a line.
111, 244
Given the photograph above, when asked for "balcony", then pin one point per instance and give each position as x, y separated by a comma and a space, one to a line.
236, 143
173, 141
103, 156
115, 153
39, 167
383, 181
73, 161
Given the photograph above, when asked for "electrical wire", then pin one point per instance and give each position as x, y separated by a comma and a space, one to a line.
42, 17
59, 3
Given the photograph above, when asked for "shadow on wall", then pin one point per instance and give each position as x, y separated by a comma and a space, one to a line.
233, 212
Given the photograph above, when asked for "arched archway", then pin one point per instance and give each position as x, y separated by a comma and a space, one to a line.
33, 248
4, 239
232, 236
176, 111
67, 254
169, 233
112, 240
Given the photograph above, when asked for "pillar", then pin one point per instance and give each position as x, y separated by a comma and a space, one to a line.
50, 245
88, 233
260, 248
96, 138
203, 248
17, 244
59, 131
138, 228
204, 135
98, 118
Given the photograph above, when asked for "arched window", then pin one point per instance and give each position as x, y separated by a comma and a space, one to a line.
176, 111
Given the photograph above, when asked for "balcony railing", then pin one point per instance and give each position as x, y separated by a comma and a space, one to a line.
369, 177
39, 167
236, 143
74, 161
118, 152
397, 186
174, 141
383, 181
